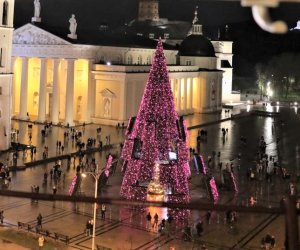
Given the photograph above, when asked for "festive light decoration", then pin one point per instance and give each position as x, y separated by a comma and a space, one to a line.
234, 183
155, 187
108, 165
200, 164
213, 189
74, 184
152, 136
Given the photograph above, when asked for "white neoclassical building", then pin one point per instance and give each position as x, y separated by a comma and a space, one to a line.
100, 78
6, 76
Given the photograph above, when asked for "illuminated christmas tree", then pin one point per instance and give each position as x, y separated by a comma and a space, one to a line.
155, 152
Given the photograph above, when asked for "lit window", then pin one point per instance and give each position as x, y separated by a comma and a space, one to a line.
2, 58
151, 35
140, 60
149, 60
166, 35
188, 62
4, 13
129, 59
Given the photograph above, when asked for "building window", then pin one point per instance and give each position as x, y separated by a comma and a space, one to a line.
149, 60
129, 60
225, 64
2, 58
4, 13
151, 35
166, 35
188, 62
139, 34
119, 59
102, 59
140, 60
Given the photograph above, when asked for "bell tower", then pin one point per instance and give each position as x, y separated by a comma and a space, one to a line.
6, 35
148, 10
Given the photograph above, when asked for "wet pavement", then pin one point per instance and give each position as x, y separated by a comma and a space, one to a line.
125, 227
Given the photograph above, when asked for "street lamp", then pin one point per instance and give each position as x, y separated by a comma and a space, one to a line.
96, 176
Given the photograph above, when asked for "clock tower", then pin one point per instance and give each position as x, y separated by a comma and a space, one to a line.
148, 10
6, 34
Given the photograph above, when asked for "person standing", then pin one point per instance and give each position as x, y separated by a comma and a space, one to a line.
148, 220
1, 216
208, 216
103, 210
39, 220
41, 241
155, 223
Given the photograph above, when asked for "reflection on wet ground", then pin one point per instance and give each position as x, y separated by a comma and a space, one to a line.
130, 222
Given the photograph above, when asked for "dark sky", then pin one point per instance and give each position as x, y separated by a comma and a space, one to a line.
94, 12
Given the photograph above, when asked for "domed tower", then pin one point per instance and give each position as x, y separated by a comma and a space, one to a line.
195, 44
6, 34
148, 10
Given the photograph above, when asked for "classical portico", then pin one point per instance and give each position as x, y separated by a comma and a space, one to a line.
51, 76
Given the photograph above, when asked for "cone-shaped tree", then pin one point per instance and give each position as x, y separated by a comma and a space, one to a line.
156, 132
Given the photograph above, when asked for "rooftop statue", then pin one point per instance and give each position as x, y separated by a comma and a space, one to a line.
73, 27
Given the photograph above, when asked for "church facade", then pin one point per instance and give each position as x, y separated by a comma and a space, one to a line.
62, 78
6, 76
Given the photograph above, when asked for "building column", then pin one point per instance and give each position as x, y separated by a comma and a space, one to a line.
123, 106
191, 93
24, 89
69, 108
42, 91
55, 92
178, 95
13, 89
185, 96
90, 95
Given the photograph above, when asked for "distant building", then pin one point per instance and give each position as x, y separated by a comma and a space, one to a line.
100, 76
6, 34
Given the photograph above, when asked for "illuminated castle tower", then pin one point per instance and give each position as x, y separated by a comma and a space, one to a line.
6, 33
148, 10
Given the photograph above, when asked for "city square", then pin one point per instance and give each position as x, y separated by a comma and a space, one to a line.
128, 222
145, 132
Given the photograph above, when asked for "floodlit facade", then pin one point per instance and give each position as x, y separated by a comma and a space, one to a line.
100, 78
6, 34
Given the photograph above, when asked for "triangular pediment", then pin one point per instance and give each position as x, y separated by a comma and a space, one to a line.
107, 93
33, 35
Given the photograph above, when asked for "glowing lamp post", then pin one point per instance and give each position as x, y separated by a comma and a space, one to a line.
96, 176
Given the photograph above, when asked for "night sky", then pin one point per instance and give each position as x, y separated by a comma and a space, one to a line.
251, 45
117, 12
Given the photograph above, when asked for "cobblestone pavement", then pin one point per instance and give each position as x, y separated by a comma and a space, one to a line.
125, 227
